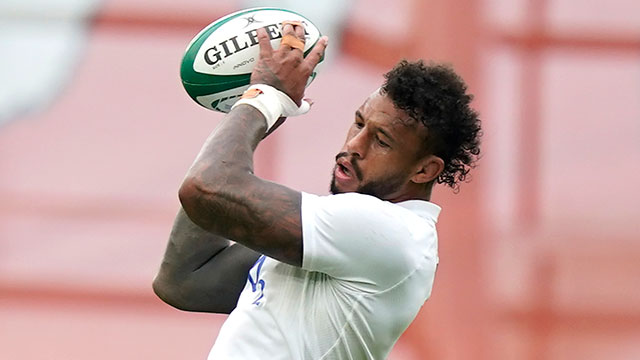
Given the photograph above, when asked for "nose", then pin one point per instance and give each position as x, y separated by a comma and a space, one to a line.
357, 144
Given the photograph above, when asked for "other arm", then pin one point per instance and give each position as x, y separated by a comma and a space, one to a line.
201, 271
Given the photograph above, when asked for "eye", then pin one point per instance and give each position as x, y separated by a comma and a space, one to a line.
381, 143
359, 124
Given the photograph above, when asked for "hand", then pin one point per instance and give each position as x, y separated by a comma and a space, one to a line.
286, 68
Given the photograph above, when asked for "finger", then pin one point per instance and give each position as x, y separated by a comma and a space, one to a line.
266, 51
287, 30
293, 23
317, 53
300, 32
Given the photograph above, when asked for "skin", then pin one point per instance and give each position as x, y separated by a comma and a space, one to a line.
382, 155
202, 271
223, 200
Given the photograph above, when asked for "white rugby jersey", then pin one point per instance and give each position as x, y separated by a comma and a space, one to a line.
368, 266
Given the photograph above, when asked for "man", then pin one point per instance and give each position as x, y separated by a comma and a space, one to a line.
319, 277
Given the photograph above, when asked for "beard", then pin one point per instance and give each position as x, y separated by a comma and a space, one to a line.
380, 188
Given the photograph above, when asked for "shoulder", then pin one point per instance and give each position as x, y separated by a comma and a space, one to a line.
362, 211
359, 206
353, 219
362, 238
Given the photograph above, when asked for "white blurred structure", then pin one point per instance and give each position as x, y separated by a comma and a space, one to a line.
40, 42
329, 16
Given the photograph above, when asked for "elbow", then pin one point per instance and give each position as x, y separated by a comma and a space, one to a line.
204, 202
194, 197
189, 297
189, 193
165, 291
170, 293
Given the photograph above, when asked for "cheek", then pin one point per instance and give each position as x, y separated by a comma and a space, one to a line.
377, 166
390, 165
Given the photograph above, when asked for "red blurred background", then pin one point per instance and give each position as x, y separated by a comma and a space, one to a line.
539, 258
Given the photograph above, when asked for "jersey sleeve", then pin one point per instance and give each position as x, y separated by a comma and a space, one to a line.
356, 237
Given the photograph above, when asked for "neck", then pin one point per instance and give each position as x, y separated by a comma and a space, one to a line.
415, 193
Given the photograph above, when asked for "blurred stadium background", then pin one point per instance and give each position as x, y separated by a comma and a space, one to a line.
540, 253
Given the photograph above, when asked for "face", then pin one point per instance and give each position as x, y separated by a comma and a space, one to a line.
382, 152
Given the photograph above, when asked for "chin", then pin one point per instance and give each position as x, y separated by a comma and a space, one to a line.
334, 189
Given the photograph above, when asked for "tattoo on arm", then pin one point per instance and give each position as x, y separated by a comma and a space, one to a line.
222, 195
202, 271
190, 247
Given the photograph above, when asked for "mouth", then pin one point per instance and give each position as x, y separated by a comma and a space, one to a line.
344, 170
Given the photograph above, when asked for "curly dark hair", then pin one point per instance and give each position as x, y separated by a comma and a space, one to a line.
437, 97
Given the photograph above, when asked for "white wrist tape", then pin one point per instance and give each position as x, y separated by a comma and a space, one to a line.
272, 103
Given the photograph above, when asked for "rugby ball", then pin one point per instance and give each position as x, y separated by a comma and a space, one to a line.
216, 67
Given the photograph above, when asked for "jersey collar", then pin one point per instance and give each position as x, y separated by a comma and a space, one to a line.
423, 208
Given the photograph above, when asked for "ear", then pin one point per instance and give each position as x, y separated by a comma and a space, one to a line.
428, 169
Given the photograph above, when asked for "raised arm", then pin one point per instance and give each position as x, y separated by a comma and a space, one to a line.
220, 192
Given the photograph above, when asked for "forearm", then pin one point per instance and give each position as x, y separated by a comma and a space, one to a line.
201, 271
222, 170
189, 248
222, 195
231, 145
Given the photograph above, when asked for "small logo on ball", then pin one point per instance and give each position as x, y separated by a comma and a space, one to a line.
250, 20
